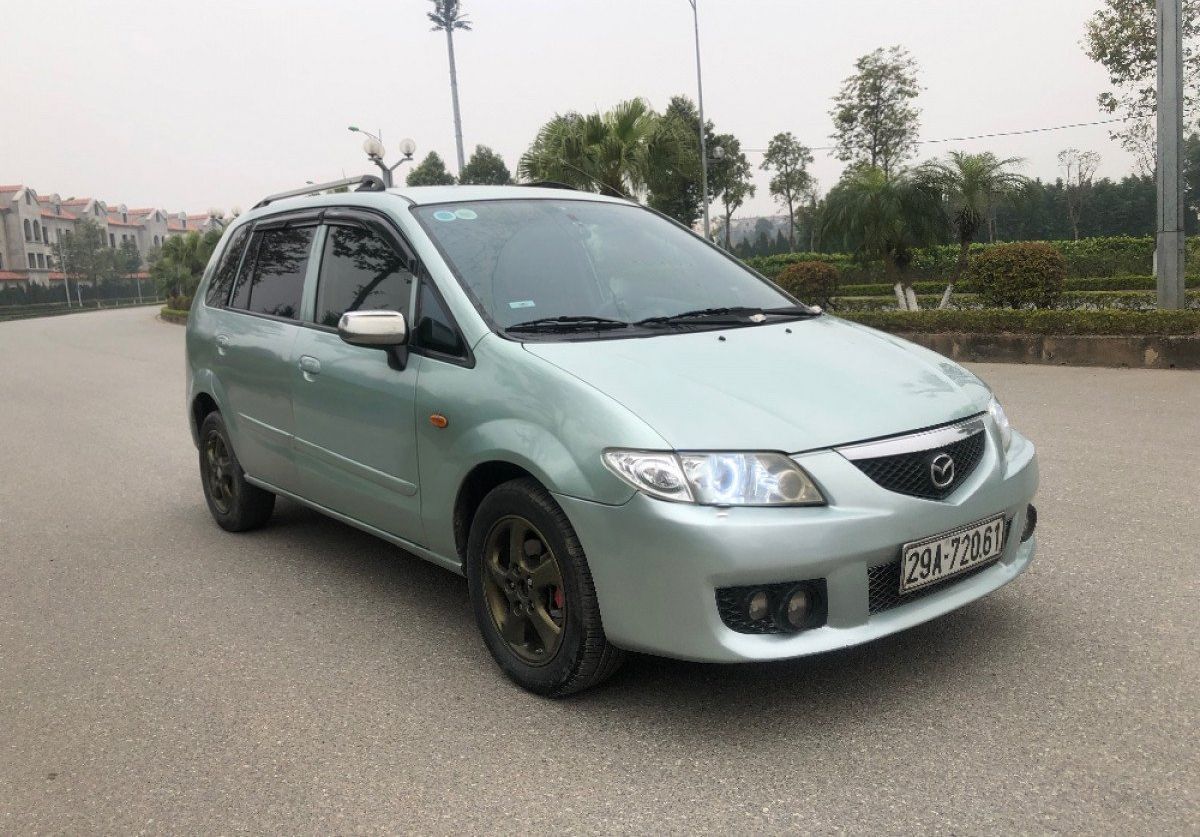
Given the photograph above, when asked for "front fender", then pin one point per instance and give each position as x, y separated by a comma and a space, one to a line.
515, 408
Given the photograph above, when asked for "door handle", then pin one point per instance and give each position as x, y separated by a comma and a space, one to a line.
309, 365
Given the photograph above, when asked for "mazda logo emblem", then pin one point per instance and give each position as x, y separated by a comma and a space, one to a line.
941, 470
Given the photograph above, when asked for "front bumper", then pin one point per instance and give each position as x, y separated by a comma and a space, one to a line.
657, 565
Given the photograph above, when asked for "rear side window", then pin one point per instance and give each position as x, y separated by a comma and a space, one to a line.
360, 271
435, 330
222, 281
274, 284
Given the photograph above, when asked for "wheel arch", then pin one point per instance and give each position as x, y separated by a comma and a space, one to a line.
476, 485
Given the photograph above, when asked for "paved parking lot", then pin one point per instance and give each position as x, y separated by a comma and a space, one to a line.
160, 675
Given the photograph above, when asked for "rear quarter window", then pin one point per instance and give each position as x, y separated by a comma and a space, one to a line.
218, 290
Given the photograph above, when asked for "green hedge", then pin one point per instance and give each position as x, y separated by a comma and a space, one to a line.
1128, 300
1001, 321
1086, 258
1111, 283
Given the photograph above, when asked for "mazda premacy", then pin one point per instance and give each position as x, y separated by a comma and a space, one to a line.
624, 438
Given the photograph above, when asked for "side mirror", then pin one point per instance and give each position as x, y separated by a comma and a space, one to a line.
382, 329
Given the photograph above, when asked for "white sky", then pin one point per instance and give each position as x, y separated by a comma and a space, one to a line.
214, 104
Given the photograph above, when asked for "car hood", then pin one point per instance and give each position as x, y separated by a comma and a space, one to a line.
791, 386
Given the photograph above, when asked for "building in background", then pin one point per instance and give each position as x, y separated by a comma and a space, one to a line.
31, 224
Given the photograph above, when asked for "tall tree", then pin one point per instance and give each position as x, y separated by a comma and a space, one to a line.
447, 16
430, 172
971, 185
674, 188
875, 120
885, 218
487, 168
789, 161
127, 262
731, 180
615, 152
84, 256
1080, 169
1122, 37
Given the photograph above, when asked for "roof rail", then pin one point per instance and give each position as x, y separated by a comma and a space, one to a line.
549, 184
364, 182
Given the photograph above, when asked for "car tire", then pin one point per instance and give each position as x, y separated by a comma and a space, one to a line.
518, 603
235, 504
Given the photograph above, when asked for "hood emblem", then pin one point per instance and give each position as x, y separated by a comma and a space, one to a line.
941, 470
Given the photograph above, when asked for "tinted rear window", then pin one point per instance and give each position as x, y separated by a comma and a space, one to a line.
275, 284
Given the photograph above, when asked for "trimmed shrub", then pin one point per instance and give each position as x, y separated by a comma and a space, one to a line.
1004, 321
1018, 275
813, 282
182, 302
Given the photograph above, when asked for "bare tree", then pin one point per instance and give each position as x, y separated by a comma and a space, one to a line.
1080, 167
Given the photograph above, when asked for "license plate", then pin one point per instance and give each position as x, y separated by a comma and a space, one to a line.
929, 561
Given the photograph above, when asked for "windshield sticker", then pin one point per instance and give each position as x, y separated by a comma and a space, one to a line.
522, 303
445, 215
465, 214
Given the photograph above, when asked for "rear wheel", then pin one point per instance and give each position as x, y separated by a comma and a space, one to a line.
235, 504
532, 593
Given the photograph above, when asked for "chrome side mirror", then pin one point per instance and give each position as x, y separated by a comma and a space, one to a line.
381, 329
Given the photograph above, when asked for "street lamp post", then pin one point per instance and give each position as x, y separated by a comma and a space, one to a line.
700, 106
373, 146
1170, 238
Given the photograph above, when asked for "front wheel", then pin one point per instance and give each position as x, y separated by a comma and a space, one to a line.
235, 504
532, 593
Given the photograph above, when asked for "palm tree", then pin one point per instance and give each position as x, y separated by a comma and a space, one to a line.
613, 152
446, 17
883, 218
972, 184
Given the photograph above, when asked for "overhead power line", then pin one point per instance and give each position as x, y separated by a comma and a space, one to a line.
980, 136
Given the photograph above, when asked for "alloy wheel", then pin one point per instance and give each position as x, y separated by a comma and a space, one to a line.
219, 467
523, 584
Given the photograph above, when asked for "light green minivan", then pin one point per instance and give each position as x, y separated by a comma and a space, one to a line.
624, 438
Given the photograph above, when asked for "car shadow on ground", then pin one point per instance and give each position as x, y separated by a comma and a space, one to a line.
388, 584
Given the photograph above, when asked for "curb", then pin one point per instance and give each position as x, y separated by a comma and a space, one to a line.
1135, 352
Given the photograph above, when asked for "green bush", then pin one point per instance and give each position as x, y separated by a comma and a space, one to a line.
180, 302
1007, 321
814, 282
1019, 275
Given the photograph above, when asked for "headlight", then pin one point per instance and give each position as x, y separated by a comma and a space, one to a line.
1002, 424
716, 479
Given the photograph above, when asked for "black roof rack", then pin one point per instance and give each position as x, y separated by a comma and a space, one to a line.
364, 182
549, 184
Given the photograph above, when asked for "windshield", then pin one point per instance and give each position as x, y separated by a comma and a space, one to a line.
595, 265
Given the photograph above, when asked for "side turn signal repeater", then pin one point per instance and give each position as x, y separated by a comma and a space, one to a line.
438, 420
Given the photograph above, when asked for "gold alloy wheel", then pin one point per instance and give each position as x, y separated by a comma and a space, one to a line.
523, 585
219, 472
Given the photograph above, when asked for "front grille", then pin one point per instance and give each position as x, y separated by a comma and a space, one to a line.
883, 582
910, 473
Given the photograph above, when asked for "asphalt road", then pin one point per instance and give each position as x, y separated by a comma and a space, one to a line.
159, 675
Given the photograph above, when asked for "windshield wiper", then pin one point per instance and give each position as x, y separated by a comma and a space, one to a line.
569, 323
736, 315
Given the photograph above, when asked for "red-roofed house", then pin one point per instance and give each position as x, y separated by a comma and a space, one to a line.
31, 224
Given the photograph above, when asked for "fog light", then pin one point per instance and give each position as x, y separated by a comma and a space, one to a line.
1030, 523
797, 607
758, 606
